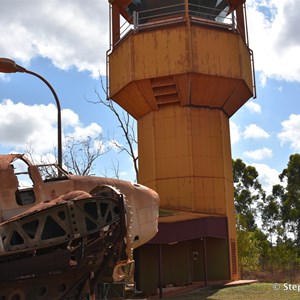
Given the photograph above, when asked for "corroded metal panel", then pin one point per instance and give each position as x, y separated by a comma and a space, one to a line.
210, 68
66, 234
197, 71
178, 231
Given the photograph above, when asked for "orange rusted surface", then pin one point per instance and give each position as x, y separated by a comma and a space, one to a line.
186, 69
88, 225
7, 159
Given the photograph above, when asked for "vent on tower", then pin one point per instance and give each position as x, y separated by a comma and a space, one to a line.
234, 270
165, 90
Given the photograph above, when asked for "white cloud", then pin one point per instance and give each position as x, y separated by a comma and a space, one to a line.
75, 34
21, 124
93, 130
69, 118
235, 133
267, 176
253, 107
262, 79
259, 154
70, 33
273, 30
36, 125
290, 132
253, 131
4, 77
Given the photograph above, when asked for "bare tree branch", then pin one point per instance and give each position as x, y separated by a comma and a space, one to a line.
116, 169
127, 125
43, 160
81, 154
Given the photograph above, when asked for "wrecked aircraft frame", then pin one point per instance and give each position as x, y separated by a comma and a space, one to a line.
62, 235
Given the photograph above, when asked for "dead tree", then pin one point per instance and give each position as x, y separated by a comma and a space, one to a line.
79, 155
127, 124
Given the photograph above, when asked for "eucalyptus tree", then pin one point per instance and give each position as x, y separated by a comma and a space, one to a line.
248, 194
290, 198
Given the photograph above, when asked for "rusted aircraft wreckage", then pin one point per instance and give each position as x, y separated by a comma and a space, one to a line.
64, 234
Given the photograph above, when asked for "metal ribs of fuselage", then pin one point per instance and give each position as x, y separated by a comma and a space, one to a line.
58, 224
53, 253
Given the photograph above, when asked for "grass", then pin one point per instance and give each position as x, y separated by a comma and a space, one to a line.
256, 291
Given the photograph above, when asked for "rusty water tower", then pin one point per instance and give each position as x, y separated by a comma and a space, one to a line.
182, 68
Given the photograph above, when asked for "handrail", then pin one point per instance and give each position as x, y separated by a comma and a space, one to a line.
125, 28
108, 52
163, 15
179, 13
253, 74
246, 24
161, 12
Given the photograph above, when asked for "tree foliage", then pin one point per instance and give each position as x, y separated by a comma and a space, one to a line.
247, 193
268, 227
290, 197
248, 250
270, 212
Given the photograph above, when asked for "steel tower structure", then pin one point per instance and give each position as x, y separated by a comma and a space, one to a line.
182, 68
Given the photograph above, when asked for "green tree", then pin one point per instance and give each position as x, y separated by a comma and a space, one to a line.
264, 247
247, 193
271, 212
286, 260
271, 223
248, 249
290, 210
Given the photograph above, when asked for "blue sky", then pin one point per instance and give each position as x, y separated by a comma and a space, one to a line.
66, 42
